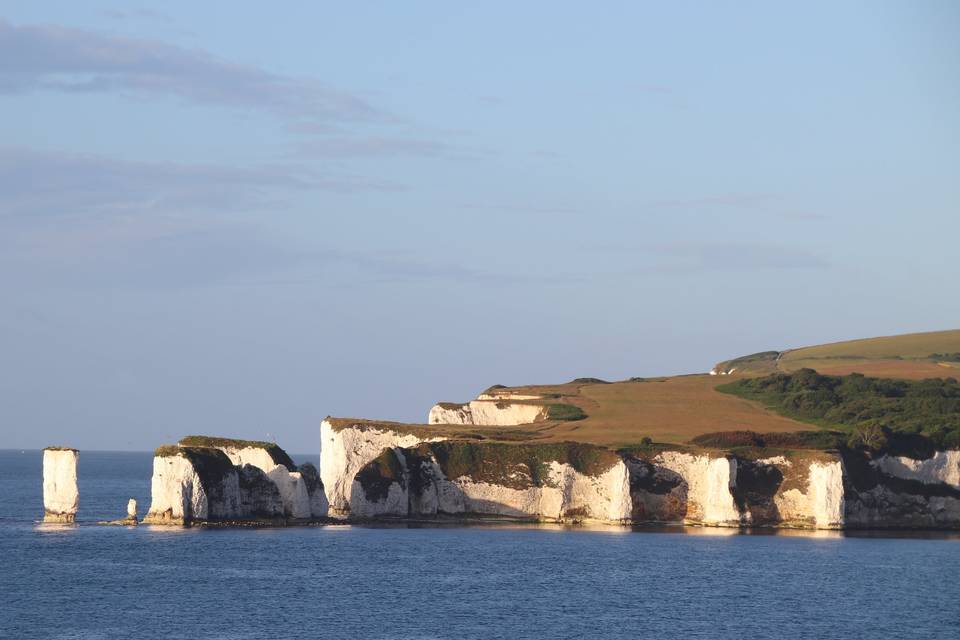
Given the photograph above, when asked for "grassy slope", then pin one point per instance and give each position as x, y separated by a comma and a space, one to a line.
911, 345
678, 409
905, 356
665, 409
671, 410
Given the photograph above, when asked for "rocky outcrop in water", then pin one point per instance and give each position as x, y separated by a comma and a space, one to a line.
231, 481
192, 484
60, 494
130, 520
298, 486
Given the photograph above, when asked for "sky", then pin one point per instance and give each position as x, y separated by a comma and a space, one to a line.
237, 218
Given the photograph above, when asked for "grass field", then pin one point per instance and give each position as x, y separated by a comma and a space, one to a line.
674, 410
911, 345
669, 410
666, 410
909, 369
907, 356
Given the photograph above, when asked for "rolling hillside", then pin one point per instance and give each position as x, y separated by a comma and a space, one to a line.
678, 409
911, 356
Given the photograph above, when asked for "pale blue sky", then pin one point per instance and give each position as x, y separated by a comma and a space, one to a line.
237, 218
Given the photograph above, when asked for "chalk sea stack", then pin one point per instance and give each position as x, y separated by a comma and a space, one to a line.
60, 495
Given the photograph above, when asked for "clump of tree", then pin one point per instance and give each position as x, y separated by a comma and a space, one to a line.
945, 357
563, 411
789, 440
872, 410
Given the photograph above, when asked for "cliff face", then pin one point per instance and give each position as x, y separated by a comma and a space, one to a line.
60, 495
227, 483
450, 413
898, 492
541, 482
346, 448
300, 498
491, 410
178, 495
708, 481
376, 472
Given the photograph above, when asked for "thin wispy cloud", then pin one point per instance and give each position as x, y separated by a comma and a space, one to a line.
736, 256
52, 183
177, 253
537, 209
55, 58
805, 216
655, 89
767, 204
685, 258
725, 200
137, 14
361, 147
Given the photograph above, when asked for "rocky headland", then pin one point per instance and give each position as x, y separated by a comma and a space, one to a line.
205, 480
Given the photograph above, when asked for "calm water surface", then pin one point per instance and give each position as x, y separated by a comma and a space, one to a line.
446, 582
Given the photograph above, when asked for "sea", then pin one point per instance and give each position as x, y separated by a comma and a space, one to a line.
459, 582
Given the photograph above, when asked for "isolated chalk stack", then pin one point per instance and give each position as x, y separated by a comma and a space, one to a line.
60, 494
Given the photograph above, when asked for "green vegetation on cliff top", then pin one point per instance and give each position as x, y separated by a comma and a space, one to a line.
565, 412
874, 409
278, 455
210, 463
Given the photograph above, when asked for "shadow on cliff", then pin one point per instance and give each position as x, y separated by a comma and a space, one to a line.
754, 492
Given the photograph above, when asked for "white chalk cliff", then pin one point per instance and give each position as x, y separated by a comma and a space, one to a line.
60, 494
373, 471
179, 494
298, 501
231, 483
346, 448
708, 481
413, 482
943, 466
492, 409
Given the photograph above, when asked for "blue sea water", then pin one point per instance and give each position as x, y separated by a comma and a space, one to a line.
93, 582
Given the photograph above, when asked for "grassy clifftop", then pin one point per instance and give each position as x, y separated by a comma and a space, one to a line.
198, 443
278, 455
910, 356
